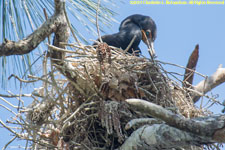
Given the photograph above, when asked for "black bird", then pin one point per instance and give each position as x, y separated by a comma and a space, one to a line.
136, 27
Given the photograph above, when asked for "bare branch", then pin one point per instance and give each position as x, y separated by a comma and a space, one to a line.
141, 121
209, 83
162, 136
8, 128
97, 26
192, 62
204, 126
16, 95
9, 142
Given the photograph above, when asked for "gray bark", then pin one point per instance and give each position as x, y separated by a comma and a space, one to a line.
178, 132
162, 137
57, 23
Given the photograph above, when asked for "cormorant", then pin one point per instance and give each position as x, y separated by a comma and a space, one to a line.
136, 26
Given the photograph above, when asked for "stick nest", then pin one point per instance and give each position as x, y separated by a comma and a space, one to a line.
87, 110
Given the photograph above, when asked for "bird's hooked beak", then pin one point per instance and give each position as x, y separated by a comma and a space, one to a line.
147, 39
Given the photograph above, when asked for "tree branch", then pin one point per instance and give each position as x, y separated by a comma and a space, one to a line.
57, 24
26, 45
209, 83
190, 68
162, 136
29, 43
204, 126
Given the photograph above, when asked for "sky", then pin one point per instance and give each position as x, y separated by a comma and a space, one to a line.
179, 29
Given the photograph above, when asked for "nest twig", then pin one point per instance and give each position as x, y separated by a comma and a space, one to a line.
90, 112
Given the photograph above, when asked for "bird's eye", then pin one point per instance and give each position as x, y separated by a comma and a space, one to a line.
147, 33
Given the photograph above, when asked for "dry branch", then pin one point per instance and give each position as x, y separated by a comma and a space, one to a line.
91, 102
191, 67
209, 83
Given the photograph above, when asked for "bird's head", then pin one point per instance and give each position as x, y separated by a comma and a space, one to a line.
148, 37
147, 27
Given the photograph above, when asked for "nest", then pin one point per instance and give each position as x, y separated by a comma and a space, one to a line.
88, 109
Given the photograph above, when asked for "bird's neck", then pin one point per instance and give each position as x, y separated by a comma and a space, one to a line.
129, 32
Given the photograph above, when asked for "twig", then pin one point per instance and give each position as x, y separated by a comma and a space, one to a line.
8, 109
78, 109
71, 29
97, 26
150, 48
9, 142
167, 63
131, 42
21, 80
8, 128
59, 49
16, 95
33, 64
8, 103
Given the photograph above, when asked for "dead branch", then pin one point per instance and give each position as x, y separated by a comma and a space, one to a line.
190, 68
209, 83
15, 95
